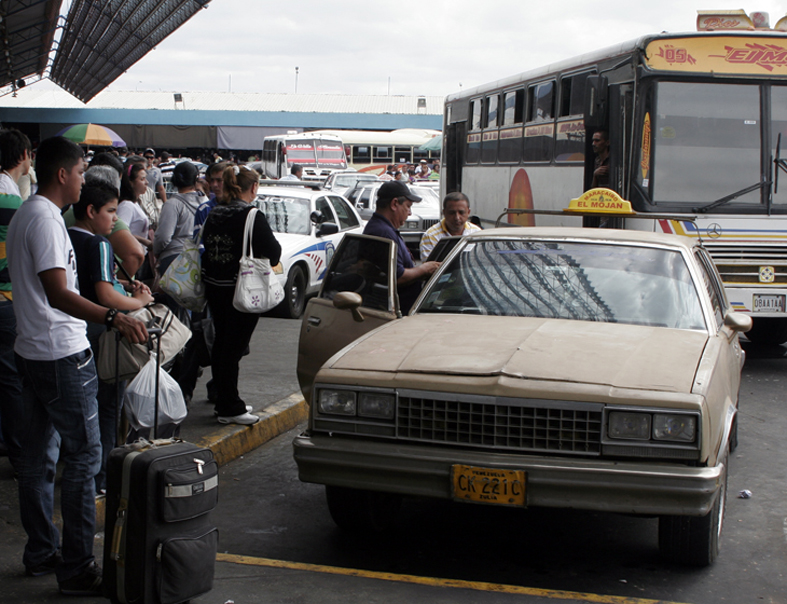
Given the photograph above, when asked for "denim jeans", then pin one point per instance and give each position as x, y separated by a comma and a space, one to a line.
10, 384
60, 395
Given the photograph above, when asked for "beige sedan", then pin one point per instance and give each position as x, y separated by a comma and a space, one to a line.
541, 367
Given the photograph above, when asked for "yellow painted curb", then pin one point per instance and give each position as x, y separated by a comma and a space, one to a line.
233, 441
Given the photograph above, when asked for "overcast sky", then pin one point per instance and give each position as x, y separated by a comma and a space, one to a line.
431, 47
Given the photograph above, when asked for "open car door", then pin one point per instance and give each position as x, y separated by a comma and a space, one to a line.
366, 266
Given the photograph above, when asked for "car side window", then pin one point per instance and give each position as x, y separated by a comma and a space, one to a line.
322, 206
347, 218
361, 265
711, 286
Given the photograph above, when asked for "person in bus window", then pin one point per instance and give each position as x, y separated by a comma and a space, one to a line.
600, 142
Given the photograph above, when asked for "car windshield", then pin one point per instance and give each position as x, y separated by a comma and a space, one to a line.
349, 180
285, 214
560, 280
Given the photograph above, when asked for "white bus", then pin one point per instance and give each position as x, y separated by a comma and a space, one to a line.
374, 150
319, 154
697, 124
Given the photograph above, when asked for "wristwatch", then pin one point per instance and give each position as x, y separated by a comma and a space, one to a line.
109, 319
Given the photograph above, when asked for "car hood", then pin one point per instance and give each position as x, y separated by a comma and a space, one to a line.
611, 354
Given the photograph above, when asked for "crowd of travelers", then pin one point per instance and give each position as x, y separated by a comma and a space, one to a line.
84, 239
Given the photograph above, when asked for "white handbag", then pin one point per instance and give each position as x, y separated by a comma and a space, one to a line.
258, 288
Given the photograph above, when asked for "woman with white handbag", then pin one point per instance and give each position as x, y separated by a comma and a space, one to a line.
224, 239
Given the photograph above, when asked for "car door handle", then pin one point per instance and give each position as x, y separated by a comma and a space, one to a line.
314, 321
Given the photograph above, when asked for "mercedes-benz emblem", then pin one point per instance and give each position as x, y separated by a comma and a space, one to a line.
714, 230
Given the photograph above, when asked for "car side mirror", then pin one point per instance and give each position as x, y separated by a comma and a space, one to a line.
738, 321
349, 301
327, 228
316, 217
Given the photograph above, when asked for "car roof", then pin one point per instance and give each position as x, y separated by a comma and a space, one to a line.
589, 233
285, 191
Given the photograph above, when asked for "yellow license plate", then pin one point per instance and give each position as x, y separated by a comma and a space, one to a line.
487, 485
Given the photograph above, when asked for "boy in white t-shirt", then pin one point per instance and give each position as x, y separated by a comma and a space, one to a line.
59, 379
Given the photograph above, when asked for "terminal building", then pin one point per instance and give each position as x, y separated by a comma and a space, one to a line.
212, 120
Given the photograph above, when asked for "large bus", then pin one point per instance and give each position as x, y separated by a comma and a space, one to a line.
319, 154
697, 125
374, 150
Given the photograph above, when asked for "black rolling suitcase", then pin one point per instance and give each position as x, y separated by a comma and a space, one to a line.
160, 544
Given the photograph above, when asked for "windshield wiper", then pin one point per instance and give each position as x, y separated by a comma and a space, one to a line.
780, 164
731, 196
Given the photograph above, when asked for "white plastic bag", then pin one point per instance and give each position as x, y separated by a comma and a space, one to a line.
139, 400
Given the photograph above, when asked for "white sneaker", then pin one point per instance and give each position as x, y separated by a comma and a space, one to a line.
245, 419
249, 409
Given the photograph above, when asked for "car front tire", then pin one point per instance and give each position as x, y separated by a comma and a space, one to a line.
695, 540
295, 293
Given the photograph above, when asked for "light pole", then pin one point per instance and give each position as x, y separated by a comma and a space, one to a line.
296, 80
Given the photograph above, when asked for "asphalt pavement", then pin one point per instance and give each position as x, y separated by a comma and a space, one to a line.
267, 382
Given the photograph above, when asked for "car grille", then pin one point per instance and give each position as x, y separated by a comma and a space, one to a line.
522, 425
429, 223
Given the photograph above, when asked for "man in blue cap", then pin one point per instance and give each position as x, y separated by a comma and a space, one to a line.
394, 203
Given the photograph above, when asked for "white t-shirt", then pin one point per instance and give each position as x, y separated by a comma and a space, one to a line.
134, 216
8, 185
38, 241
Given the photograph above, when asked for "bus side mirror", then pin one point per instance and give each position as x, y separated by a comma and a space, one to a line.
596, 103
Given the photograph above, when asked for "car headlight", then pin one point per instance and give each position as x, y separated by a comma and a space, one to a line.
337, 402
411, 225
629, 425
679, 428
372, 404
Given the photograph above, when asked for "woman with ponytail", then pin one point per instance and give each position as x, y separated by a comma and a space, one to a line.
223, 240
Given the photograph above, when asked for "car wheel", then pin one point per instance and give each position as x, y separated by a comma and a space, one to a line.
768, 330
362, 512
295, 293
695, 540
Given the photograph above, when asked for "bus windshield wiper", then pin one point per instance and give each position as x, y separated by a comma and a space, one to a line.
731, 196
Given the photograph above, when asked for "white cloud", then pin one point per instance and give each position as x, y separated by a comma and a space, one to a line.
425, 48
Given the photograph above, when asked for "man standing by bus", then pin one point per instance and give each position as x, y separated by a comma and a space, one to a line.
456, 212
600, 142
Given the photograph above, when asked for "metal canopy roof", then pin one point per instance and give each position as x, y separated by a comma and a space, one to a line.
103, 38
27, 28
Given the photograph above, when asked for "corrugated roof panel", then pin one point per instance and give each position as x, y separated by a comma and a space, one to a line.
101, 40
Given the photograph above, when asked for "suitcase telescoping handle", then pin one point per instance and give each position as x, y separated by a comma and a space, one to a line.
154, 329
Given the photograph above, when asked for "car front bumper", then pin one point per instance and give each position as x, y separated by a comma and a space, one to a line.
652, 488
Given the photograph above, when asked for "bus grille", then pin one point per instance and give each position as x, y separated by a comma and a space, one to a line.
741, 265
511, 427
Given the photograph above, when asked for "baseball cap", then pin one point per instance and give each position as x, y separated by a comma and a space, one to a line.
396, 188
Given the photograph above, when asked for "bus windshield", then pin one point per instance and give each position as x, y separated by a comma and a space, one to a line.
331, 155
316, 153
699, 132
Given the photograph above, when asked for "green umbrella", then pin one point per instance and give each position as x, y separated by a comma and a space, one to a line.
433, 144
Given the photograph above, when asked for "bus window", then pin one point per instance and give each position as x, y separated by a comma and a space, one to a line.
489, 137
779, 126
572, 95
570, 137
491, 111
362, 154
403, 155
382, 155
473, 154
541, 99
514, 107
418, 155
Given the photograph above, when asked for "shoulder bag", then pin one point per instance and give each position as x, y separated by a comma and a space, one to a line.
258, 288
183, 278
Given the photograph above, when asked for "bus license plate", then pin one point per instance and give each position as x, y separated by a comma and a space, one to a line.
768, 303
487, 485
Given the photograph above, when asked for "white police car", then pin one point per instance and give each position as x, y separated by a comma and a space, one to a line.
309, 225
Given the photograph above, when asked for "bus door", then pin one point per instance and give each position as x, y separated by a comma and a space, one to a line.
452, 177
